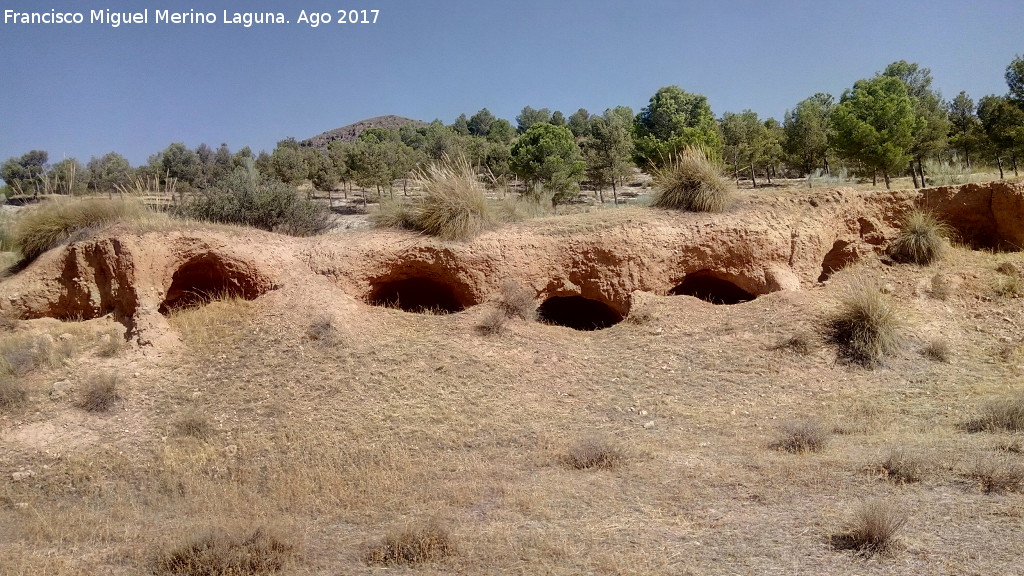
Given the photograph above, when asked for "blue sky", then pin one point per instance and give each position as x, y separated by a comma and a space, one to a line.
84, 90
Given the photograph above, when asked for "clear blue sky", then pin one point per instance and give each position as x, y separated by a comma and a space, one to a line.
84, 90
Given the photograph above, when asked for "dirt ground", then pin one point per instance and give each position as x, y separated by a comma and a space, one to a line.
303, 409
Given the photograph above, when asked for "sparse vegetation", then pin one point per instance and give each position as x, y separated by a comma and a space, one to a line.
1003, 413
517, 301
1010, 283
903, 467
22, 353
922, 239
941, 287
801, 342
415, 545
59, 220
324, 330
802, 436
493, 322
866, 325
99, 393
938, 350
692, 181
12, 393
873, 529
224, 553
996, 475
194, 425
594, 452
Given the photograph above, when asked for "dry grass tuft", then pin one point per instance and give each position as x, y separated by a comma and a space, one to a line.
1010, 286
921, 240
517, 301
938, 350
56, 221
194, 425
872, 530
941, 287
221, 553
12, 393
493, 322
903, 468
324, 331
802, 343
866, 325
802, 436
99, 394
1004, 413
23, 353
998, 475
594, 452
453, 207
693, 181
417, 545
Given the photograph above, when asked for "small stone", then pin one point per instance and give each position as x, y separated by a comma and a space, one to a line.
19, 476
60, 389
649, 425
643, 412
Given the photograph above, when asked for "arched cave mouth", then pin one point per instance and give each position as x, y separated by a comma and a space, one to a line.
708, 286
578, 313
206, 278
417, 294
840, 256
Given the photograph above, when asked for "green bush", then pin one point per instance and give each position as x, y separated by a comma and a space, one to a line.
921, 240
247, 199
691, 180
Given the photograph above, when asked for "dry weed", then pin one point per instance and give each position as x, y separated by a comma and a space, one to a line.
1003, 413
941, 287
921, 240
57, 221
324, 331
415, 545
99, 393
872, 530
996, 475
802, 343
903, 468
594, 452
801, 436
517, 301
938, 350
194, 425
224, 553
866, 325
12, 393
692, 181
493, 322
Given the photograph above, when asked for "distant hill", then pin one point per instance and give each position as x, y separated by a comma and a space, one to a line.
352, 131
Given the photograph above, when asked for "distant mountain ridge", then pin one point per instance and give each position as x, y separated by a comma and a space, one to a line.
352, 131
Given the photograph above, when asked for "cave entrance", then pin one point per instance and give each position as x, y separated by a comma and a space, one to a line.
708, 286
578, 313
206, 278
417, 294
840, 256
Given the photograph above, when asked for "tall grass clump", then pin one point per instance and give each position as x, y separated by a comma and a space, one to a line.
872, 530
224, 553
453, 206
246, 198
594, 452
947, 173
821, 179
866, 325
54, 222
416, 545
693, 181
802, 436
1003, 413
12, 393
921, 240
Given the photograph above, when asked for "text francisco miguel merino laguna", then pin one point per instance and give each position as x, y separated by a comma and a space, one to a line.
115, 19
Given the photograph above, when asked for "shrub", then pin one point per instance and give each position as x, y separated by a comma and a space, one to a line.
324, 331
866, 325
801, 436
12, 393
1010, 286
902, 468
998, 475
56, 221
416, 545
1005, 413
873, 529
99, 393
453, 206
221, 553
594, 452
493, 322
802, 343
246, 198
692, 181
921, 239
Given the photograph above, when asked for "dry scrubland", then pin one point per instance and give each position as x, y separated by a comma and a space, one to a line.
318, 435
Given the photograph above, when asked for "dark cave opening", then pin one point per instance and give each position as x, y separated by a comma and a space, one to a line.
205, 278
578, 313
416, 294
708, 286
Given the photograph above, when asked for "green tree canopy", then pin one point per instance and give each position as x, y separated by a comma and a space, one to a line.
965, 128
1003, 124
547, 156
24, 174
108, 171
528, 117
874, 124
1015, 80
807, 128
931, 129
480, 123
672, 120
608, 151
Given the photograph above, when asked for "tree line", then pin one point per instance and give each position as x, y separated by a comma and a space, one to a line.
887, 126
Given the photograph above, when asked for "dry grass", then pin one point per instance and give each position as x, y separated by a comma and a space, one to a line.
411, 546
56, 221
594, 452
866, 325
902, 467
453, 204
226, 553
941, 287
21, 353
692, 181
802, 343
517, 301
802, 436
12, 393
1009, 284
873, 529
492, 322
922, 239
1002, 413
99, 393
325, 331
194, 425
214, 325
996, 475
938, 350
